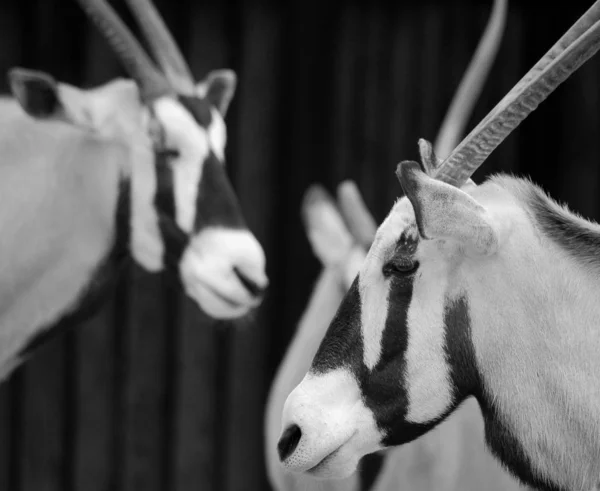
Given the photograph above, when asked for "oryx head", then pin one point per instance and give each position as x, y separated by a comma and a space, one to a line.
185, 215
397, 358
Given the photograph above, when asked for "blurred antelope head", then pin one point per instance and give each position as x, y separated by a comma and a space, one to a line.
169, 136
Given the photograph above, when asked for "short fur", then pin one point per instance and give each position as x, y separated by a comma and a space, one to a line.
449, 458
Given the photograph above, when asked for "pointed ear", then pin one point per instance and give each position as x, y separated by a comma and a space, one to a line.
36, 92
445, 212
114, 106
355, 213
330, 239
218, 87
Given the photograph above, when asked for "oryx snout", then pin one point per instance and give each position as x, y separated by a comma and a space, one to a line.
326, 428
224, 271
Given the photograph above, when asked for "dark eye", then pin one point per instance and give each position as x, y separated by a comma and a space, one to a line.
167, 153
397, 268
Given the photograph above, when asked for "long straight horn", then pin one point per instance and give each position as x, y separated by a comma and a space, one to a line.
579, 44
163, 46
472, 82
135, 60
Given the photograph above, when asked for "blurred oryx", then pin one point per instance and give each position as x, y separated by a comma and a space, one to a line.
132, 167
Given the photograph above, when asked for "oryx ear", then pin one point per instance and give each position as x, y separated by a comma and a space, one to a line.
44, 98
443, 211
355, 213
328, 236
36, 92
219, 87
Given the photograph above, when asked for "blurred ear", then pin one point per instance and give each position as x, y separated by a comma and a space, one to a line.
445, 212
359, 220
330, 239
43, 98
218, 87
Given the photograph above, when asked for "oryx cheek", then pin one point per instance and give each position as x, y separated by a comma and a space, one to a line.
427, 378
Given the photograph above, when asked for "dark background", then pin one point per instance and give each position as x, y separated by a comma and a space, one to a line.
151, 395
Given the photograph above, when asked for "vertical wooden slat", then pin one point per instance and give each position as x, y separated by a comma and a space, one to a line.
374, 138
403, 97
42, 428
198, 416
12, 27
343, 101
6, 422
256, 161
146, 384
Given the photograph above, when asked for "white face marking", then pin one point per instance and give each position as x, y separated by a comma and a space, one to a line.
427, 377
185, 135
207, 273
335, 425
217, 134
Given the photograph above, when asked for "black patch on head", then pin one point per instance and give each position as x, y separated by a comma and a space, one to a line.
217, 203
577, 237
101, 283
342, 344
369, 468
460, 352
384, 388
466, 380
174, 238
199, 108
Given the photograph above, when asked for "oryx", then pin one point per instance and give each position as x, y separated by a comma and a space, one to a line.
488, 291
451, 458
131, 167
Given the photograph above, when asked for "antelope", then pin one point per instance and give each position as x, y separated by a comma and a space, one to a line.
486, 291
130, 168
449, 458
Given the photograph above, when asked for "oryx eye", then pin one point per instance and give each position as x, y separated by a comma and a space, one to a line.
167, 153
399, 268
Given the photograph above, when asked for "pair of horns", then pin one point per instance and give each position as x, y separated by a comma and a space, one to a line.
571, 51
175, 75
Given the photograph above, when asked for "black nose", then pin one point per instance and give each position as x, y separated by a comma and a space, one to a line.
289, 441
254, 288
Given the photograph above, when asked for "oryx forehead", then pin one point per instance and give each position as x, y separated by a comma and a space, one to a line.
182, 130
399, 224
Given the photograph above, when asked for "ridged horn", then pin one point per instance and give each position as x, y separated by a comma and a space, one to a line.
470, 87
163, 46
135, 60
573, 49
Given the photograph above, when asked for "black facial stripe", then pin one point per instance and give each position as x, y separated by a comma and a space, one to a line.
101, 284
466, 380
508, 449
460, 353
199, 108
385, 390
342, 344
174, 238
369, 469
216, 204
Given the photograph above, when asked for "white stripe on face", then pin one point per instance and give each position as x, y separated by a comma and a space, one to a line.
217, 134
374, 288
185, 135
427, 376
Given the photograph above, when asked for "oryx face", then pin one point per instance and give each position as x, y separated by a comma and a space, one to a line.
186, 215
383, 374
